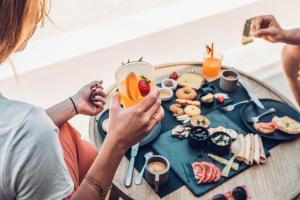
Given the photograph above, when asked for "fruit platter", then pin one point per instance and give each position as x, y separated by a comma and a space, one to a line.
209, 136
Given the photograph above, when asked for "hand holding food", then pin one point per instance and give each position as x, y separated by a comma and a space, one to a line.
133, 123
268, 28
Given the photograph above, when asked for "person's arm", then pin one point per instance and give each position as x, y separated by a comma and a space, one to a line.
292, 36
267, 27
87, 101
127, 127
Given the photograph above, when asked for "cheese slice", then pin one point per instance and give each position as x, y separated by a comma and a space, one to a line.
256, 156
247, 148
226, 170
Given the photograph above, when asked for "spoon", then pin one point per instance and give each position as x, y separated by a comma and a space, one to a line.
231, 107
139, 178
256, 119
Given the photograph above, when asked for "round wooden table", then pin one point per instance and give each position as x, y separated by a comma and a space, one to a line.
279, 179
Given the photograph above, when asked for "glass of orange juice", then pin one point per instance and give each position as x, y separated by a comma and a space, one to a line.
212, 62
135, 81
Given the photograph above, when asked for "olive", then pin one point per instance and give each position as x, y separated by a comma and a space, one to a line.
219, 197
239, 193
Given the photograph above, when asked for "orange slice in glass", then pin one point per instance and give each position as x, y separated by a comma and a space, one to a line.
132, 89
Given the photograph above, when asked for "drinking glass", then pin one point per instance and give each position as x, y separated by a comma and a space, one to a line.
212, 64
135, 81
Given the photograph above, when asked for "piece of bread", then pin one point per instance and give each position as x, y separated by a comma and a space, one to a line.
287, 124
265, 128
192, 80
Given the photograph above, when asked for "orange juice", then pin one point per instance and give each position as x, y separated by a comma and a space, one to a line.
135, 81
211, 67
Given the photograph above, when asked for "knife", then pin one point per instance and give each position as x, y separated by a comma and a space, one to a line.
251, 95
134, 151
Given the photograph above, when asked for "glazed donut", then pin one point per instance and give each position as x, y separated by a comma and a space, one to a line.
191, 110
186, 93
176, 109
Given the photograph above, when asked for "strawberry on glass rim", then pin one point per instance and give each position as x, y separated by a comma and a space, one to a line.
144, 86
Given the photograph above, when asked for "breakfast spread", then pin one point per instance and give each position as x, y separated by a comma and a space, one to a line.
223, 149
206, 172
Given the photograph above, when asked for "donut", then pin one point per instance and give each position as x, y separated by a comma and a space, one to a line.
176, 109
191, 110
105, 125
187, 93
200, 120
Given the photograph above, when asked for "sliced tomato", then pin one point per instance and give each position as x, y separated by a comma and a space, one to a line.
215, 171
218, 175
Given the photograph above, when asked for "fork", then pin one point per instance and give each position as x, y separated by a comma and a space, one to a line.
256, 119
231, 107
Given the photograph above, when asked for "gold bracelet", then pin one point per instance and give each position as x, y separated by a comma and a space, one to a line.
97, 186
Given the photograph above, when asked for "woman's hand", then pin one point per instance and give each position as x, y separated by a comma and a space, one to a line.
89, 100
268, 28
127, 126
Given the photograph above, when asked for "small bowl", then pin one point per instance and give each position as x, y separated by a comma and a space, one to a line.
166, 94
164, 84
206, 104
198, 137
220, 149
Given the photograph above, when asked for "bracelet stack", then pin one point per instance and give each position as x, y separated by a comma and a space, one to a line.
97, 186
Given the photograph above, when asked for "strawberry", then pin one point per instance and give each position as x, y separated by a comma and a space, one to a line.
173, 76
144, 86
220, 99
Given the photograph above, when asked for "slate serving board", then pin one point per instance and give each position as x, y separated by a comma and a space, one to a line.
181, 155
174, 182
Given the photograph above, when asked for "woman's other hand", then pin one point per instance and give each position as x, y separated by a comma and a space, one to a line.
268, 28
129, 125
90, 99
